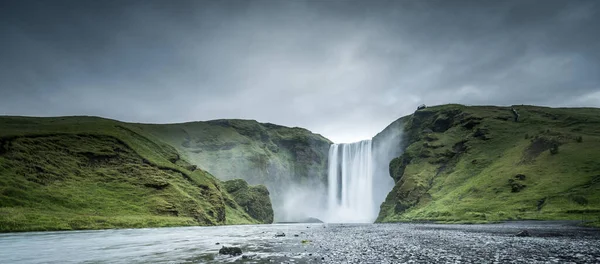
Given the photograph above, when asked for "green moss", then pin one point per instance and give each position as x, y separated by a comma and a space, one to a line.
89, 173
466, 172
254, 200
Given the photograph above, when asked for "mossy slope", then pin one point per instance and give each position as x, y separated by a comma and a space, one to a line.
254, 199
476, 164
261, 153
89, 173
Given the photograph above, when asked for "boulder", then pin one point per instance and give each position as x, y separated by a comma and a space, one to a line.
523, 233
232, 251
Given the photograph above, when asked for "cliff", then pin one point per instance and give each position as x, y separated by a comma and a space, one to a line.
486, 163
290, 162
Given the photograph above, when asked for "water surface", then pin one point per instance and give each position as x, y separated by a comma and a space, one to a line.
551, 242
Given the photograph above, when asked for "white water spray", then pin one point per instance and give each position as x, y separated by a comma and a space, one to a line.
350, 190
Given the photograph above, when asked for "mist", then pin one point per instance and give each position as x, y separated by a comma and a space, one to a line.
387, 145
367, 169
303, 201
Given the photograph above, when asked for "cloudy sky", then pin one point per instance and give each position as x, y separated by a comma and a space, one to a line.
344, 69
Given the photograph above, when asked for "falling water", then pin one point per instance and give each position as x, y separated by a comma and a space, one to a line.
350, 190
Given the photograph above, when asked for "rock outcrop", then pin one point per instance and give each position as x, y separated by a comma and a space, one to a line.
254, 200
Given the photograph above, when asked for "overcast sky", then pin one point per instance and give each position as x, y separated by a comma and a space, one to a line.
344, 69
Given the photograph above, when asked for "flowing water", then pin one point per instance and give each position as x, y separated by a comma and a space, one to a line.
350, 180
550, 242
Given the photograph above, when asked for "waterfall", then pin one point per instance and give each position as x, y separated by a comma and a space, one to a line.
350, 190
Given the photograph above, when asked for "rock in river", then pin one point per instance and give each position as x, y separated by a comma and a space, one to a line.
523, 233
232, 251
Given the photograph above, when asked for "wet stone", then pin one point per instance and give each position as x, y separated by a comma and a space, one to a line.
523, 233
232, 251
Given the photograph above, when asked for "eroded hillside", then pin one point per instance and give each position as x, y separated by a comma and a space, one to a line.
479, 164
90, 173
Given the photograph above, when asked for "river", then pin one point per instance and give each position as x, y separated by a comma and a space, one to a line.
550, 242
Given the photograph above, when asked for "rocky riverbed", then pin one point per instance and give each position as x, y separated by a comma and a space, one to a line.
548, 242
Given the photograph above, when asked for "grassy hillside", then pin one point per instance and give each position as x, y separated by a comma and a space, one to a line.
88, 173
282, 158
476, 164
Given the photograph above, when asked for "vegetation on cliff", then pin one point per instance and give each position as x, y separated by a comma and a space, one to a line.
89, 173
253, 199
486, 163
281, 158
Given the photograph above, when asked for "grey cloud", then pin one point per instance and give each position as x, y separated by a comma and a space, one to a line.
345, 69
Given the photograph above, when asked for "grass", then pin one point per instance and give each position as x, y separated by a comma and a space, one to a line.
89, 173
260, 153
466, 171
25, 219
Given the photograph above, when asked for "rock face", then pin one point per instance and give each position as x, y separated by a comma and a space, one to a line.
454, 161
253, 199
288, 161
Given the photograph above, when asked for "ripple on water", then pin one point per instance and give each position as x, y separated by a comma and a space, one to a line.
369, 243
